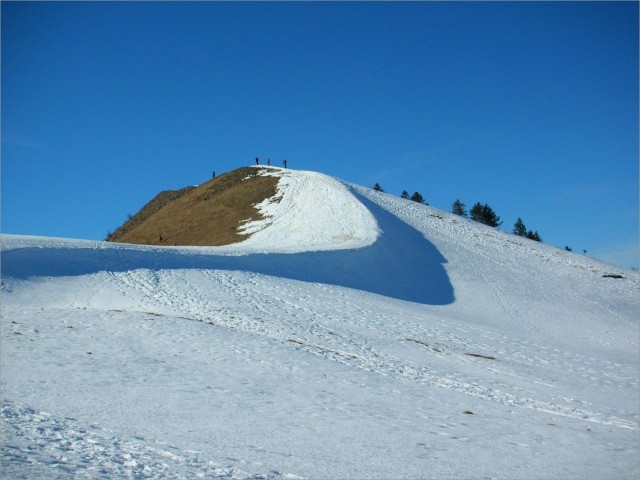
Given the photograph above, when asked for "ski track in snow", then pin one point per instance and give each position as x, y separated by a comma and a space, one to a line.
536, 340
260, 297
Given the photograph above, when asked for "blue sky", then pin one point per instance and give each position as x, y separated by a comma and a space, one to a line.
530, 107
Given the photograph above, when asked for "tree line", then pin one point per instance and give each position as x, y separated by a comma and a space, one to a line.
416, 197
486, 215
481, 213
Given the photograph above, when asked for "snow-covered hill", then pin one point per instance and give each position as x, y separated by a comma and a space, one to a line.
354, 335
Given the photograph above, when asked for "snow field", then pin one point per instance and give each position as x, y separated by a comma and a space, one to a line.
37, 445
224, 363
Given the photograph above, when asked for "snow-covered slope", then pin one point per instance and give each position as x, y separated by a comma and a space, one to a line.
355, 335
310, 212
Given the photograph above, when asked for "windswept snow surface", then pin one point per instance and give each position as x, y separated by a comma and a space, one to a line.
310, 212
147, 362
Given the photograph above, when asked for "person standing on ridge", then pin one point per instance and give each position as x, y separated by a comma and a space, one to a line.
268, 162
285, 164
257, 161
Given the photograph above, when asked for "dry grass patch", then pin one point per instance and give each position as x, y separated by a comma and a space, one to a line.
206, 215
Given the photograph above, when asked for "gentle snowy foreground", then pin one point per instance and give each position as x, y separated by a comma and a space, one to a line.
355, 335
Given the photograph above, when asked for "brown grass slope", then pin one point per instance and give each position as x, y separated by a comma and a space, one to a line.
209, 214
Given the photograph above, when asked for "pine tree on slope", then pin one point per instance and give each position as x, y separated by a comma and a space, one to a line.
416, 197
485, 214
534, 236
459, 208
519, 228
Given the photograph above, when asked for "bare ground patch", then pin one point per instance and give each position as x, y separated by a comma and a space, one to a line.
209, 214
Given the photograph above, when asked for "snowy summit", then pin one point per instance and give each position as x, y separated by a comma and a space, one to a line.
335, 332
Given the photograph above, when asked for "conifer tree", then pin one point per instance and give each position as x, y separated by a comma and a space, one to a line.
416, 197
534, 236
459, 208
476, 212
405, 195
378, 188
485, 214
519, 228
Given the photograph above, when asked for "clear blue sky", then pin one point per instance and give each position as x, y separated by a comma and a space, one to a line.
530, 107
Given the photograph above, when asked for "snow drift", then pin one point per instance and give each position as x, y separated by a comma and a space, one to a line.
310, 212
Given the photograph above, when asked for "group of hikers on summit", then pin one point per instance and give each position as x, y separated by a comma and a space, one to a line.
284, 162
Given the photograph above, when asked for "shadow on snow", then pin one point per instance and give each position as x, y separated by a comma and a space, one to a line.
401, 264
